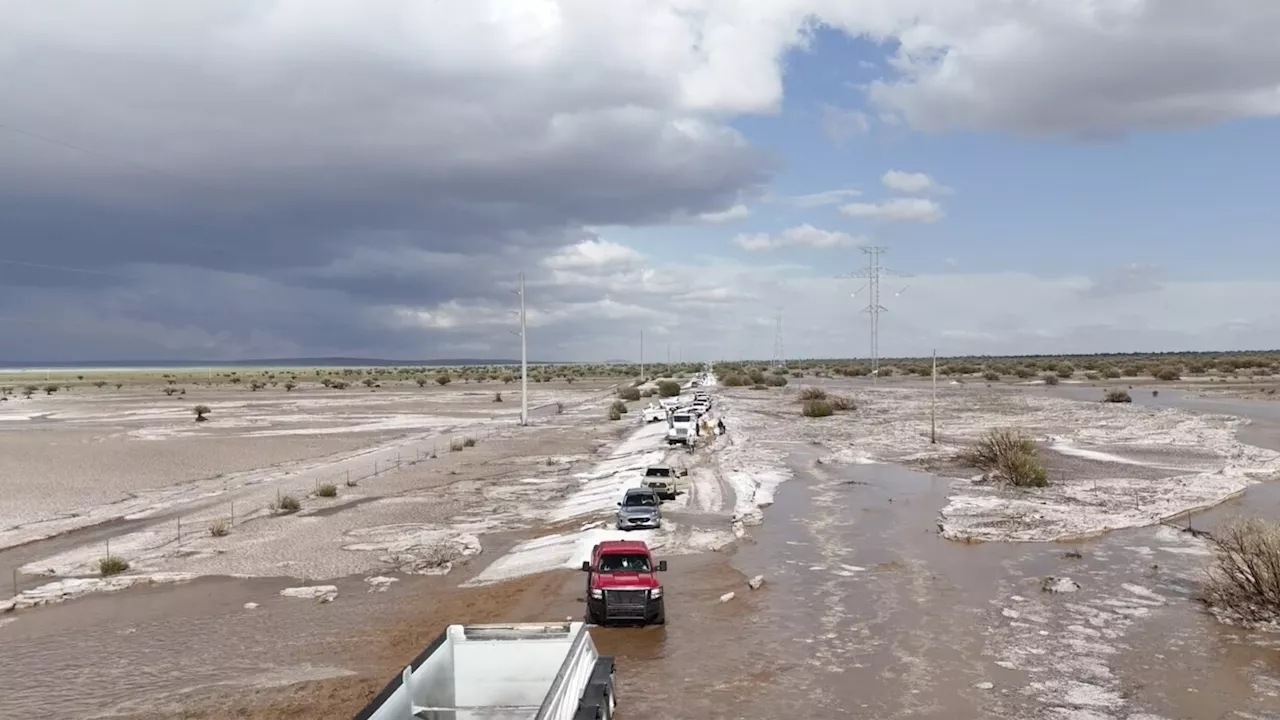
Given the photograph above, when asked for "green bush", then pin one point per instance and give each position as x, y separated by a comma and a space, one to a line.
112, 565
1117, 396
630, 394
668, 388
817, 409
1008, 455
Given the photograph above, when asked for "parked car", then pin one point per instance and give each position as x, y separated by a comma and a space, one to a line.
640, 508
623, 585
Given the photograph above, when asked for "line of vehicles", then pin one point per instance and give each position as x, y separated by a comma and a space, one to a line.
553, 671
683, 417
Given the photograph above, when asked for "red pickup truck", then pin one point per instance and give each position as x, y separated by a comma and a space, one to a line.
623, 585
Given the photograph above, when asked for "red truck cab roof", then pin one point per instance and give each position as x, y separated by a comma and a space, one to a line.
621, 546
623, 578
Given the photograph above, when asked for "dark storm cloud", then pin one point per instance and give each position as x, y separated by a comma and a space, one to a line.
250, 177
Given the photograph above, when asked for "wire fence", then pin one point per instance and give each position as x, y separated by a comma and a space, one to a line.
216, 519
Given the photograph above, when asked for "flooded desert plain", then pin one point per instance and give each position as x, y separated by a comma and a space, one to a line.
288, 555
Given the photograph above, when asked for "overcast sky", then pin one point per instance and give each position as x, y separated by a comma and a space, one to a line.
187, 179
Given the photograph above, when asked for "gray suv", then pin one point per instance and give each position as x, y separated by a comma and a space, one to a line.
640, 508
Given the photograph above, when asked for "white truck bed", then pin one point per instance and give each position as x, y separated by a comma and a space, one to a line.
524, 671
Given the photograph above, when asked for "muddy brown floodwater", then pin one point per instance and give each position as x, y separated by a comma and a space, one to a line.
865, 613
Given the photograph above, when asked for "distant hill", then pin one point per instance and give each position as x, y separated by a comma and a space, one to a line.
268, 362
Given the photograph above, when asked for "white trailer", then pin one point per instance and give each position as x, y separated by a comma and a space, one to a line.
523, 671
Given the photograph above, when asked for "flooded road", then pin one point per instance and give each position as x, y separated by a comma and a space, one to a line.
865, 613
887, 620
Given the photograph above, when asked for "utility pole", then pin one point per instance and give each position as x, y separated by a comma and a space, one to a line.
779, 359
933, 403
524, 357
641, 356
668, 353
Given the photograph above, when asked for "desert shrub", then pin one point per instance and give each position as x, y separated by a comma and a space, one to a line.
630, 394
991, 376
620, 406
1092, 376
50, 389
812, 393
285, 505
1050, 379
1111, 373
668, 388
201, 412
613, 413
327, 490
1008, 455
1166, 373
443, 379
422, 382
840, 403
338, 384
220, 527
289, 385
1117, 396
1243, 579
1065, 370
112, 565
775, 380
1024, 372
817, 408
469, 442
559, 408
497, 397
457, 445
100, 384
735, 380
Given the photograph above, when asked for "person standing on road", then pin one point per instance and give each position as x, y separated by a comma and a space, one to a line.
720, 426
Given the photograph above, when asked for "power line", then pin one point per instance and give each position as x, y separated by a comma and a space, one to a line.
872, 275
779, 356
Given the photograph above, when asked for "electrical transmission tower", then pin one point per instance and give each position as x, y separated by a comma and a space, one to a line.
779, 357
872, 275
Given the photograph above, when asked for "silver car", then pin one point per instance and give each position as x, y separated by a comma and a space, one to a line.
640, 508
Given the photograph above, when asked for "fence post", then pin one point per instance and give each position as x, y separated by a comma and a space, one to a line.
233, 513
375, 468
179, 531
15, 582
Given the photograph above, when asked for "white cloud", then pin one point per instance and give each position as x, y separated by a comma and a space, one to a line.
820, 199
912, 183
484, 135
720, 303
840, 124
728, 215
919, 210
593, 255
802, 236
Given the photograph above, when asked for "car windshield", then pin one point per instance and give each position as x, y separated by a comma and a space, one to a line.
628, 563
658, 472
640, 500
